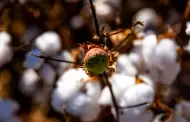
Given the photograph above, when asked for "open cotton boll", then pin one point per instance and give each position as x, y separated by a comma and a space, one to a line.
147, 15
178, 118
77, 22
93, 90
84, 107
125, 66
49, 43
187, 31
136, 57
148, 49
104, 12
48, 74
150, 78
68, 85
6, 54
120, 83
166, 60
105, 98
7, 108
187, 47
5, 38
186, 109
137, 94
144, 117
28, 82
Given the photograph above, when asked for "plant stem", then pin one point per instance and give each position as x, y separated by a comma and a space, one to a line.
92, 8
58, 60
113, 97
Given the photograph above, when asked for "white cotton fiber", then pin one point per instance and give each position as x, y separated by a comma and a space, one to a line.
49, 43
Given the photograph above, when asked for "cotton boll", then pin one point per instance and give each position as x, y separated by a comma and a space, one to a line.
150, 78
7, 108
105, 98
148, 50
187, 31
28, 82
81, 105
178, 109
186, 108
31, 61
135, 95
136, 57
48, 74
67, 87
187, 47
166, 60
77, 22
104, 12
144, 117
147, 15
5, 38
178, 118
125, 66
93, 89
49, 43
6, 54
119, 84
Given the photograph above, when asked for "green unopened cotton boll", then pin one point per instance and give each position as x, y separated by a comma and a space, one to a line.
96, 60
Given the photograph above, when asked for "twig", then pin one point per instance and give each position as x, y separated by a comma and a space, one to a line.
122, 30
132, 106
48, 58
119, 45
92, 8
113, 97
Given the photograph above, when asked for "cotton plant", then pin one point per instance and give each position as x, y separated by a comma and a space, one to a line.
187, 47
76, 94
6, 52
77, 22
148, 16
125, 66
5, 38
105, 12
49, 43
8, 111
149, 44
120, 82
146, 116
128, 93
187, 31
166, 61
28, 82
182, 109
136, 56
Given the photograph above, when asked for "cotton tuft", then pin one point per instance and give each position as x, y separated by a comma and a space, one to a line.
49, 43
